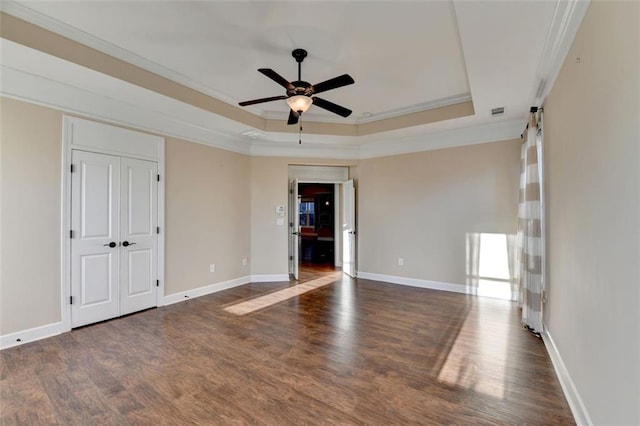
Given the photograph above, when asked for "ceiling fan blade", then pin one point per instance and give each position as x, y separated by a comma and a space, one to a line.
276, 77
259, 101
334, 83
293, 117
330, 106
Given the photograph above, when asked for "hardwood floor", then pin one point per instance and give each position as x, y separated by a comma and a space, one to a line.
309, 271
353, 352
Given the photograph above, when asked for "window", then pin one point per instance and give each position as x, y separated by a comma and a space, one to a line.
307, 213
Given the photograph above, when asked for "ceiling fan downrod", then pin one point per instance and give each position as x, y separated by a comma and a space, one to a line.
299, 55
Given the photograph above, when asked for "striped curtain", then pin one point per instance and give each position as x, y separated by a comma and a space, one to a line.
530, 247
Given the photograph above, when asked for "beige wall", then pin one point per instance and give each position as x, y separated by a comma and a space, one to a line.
269, 247
30, 184
592, 159
207, 215
207, 212
421, 207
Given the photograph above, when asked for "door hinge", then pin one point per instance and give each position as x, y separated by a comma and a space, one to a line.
157, 230
290, 257
71, 300
291, 191
157, 283
70, 233
158, 178
73, 169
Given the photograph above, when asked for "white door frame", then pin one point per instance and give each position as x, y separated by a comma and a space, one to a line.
330, 174
105, 139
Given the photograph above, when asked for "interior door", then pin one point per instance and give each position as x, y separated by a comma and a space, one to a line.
294, 229
95, 225
138, 235
349, 228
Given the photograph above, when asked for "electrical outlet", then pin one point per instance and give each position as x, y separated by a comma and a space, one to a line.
244, 261
400, 261
212, 267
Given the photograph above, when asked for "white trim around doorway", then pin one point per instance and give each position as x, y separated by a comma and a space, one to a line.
335, 175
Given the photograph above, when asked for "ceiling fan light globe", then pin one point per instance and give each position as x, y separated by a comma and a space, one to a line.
299, 103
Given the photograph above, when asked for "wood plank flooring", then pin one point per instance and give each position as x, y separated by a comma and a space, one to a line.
352, 352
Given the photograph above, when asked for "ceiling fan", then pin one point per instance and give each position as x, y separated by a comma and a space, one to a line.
300, 93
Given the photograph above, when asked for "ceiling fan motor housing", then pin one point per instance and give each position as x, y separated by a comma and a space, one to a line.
300, 88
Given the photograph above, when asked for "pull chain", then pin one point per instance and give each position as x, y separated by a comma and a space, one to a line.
300, 132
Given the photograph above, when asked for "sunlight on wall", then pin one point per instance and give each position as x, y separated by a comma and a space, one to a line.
490, 265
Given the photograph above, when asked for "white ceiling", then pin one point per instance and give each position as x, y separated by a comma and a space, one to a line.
405, 56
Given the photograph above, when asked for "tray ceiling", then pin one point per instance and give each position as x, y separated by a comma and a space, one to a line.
405, 56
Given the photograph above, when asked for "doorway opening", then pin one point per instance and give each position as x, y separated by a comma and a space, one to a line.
321, 221
317, 221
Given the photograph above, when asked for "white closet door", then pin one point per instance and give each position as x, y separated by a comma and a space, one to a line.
138, 236
95, 218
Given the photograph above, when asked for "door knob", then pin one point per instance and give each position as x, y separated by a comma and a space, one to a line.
111, 244
127, 243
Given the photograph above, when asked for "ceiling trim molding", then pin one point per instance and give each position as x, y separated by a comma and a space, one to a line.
24, 86
304, 150
34, 17
20, 85
49, 41
483, 133
442, 113
39, 90
331, 140
567, 17
425, 106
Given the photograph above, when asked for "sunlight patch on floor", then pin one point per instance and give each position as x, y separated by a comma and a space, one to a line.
478, 358
261, 302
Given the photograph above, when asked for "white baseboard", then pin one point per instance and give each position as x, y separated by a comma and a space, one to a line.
414, 282
30, 335
42, 332
433, 285
269, 278
579, 411
208, 289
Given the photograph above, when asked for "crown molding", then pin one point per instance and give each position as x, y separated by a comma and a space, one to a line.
471, 135
20, 85
36, 77
39, 90
566, 21
331, 151
425, 106
22, 11
224, 104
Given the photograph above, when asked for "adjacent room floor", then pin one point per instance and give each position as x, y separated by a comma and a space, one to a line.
344, 352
